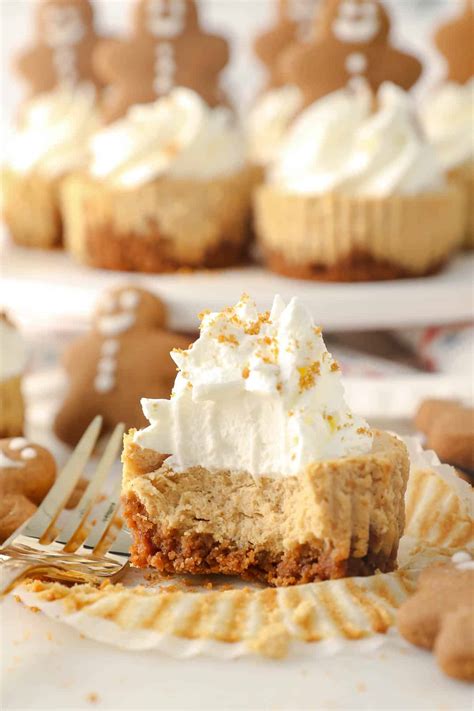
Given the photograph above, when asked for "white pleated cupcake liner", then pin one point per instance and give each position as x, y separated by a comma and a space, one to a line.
227, 621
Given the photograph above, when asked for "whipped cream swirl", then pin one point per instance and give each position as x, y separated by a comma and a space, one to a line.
178, 136
54, 132
12, 351
340, 144
269, 121
257, 393
447, 116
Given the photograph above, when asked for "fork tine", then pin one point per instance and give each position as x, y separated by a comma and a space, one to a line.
105, 516
76, 519
57, 497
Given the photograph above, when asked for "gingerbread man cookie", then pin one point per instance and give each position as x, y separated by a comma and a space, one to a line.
449, 430
126, 356
167, 48
62, 53
455, 41
27, 472
351, 44
440, 615
294, 21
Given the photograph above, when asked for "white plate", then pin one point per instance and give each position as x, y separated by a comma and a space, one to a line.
49, 288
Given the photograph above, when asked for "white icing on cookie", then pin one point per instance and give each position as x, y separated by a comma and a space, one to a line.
468, 565
110, 347
17, 443
28, 453
64, 29
356, 63
129, 299
165, 68
461, 557
166, 18
104, 382
115, 324
356, 23
7, 463
107, 364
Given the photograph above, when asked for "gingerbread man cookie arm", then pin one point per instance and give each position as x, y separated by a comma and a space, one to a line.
114, 61
297, 65
455, 644
398, 67
26, 65
269, 45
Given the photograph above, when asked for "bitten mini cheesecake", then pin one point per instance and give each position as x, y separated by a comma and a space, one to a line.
256, 466
168, 187
50, 142
447, 117
356, 193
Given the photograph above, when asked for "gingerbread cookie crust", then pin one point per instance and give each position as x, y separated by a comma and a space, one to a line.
170, 552
357, 266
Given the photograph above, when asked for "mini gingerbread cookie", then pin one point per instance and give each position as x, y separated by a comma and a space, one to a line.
123, 358
449, 430
440, 615
167, 48
62, 53
455, 42
294, 21
27, 472
351, 43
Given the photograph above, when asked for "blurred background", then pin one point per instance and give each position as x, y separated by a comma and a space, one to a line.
397, 342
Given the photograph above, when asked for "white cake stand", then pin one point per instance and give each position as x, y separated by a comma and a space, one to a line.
48, 288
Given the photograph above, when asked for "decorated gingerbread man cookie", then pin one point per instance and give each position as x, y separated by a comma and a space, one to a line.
167, 48
440, 615
62, 53
27, 472
351, 43
126, 356
294, 21
455, 41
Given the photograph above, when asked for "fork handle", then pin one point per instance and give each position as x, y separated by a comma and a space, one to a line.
12, 570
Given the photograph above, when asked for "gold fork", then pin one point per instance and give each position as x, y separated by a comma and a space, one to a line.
81, 549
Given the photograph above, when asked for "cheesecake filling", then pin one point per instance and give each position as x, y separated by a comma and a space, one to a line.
257, 392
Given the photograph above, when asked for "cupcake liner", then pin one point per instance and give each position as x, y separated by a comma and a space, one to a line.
31, 209
463, 177
12, 408
411, 234
184, 617
160, 226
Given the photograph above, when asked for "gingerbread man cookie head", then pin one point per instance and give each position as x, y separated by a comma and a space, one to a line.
127, 309
61, 56
351, 44
354, 22
165, 19
455, 42
294, 22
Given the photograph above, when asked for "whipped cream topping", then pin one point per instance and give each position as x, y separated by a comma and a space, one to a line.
269, 120
178, 135
54, 132
12, 351
340, 144
257, 393
447, 117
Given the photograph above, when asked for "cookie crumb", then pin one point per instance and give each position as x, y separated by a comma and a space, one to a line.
272, 642
92, 698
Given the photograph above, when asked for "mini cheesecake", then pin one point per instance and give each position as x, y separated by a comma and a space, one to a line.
256, 467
